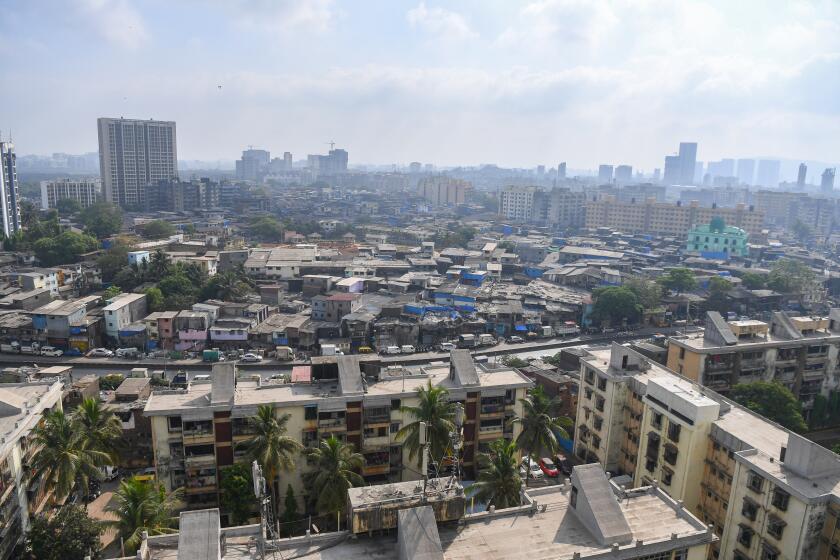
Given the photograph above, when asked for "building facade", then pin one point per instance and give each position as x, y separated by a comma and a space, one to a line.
9, 190
718, 240
443, 191
86, 192
134, 154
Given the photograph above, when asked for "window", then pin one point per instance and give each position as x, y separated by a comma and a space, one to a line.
395, 427
310, 413
596, 442
395, 404
598, 422
656, 420
775, 527
602, 384
755, 482
745, 535
780, 499
174, 423
587, 392
573, 497
670, 454
835, 551
599, 404
667, 476
682, 353
674, 431
650, 464
749, 509
769, 552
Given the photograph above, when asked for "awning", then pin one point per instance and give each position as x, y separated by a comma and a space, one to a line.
521, 328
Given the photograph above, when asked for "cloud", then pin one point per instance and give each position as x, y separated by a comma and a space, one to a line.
442, 23
284, 15
547, 24
116, 21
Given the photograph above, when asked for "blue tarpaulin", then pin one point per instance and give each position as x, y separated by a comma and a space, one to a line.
521, 328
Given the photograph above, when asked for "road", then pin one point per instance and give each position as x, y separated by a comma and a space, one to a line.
267, 368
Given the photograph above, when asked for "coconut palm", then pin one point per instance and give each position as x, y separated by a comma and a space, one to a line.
438, 413
498, 483
159, 265
270, 446
540, 429
336, 470
99, 428
143, 506
63, 457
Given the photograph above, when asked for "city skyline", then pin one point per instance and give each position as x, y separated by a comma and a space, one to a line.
460, 84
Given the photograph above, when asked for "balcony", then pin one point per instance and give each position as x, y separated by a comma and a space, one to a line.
332, 424
374, 470
376, 441
491, 409
377, 419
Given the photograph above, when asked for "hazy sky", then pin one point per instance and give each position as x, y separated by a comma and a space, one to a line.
514, 83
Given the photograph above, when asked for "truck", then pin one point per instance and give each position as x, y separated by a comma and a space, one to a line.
33, 348
391, 350
566, 329
328, 350
283, 353
13, 348
486, 340
407, 349
210, 355
466, 341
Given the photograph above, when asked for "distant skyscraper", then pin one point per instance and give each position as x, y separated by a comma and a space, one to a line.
335, 162
698, 172
746, 171
722, 168
657, 173
9, 193
800, 177
561, 171
624, 174
672, 170
253, 164
541, 170
688, 162
287, 160
768, 173
134, 154
415, 167
827, 181
605, 174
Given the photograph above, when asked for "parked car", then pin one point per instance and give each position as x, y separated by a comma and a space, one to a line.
515, 339
51, 351
407, 349
563, 464
249, 357
100, 353
535, 472
447, 347
390, 350
548, 467
127, 352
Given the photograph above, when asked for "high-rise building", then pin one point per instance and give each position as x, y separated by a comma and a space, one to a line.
698, 173
134, 154
517, 203
800, 176
335, 162
605, 174
624, 174
672, 170
86, 192
561, 170
415, 167
827, 180
441, 191
688, 162
9, 192
252, 165
287, 159
768, 173
746, 171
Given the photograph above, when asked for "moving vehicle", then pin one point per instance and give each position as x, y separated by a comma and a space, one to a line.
391, 350
212, 356
33, 348
535, 472
563, 464
548, 467
568, 328
486, 340
249, 357
127, 352
407, 349
447, 347
201, 378
51, 351
515, 340
100, 353
179, 381
365, 350
466, 341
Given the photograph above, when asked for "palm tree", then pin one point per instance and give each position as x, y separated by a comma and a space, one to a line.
143, 506
539, 428
63, 457
158, 265
270, 446
438, 413
336, 465
99, 428
499, 483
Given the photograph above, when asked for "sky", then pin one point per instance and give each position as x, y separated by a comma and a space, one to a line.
516, 83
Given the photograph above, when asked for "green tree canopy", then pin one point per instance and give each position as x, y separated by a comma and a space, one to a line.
67, 535
113, 260
157, 229
337, 467
648, 293
791, 276
771, 400
718, 288
102, 219
155, 299
514, 361
614, 305
111, 292
238, 492
754, 280
68, 206
266, 228
65, 248
499, 483
679, 280
435, 409
143, 506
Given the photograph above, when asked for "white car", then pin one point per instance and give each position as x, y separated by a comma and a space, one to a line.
51, 351
536, 471
251, 358
100, 353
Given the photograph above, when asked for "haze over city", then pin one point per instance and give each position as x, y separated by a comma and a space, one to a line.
455, 83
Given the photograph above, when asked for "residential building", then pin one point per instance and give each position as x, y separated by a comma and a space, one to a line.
123, 311
160, 328
9, 190
517, 203
443, 191
746, 171
623, 174
563, 208
192, 329
86, 192
333, 163
23, 493
768, 173
561, 171
195, 431
827, 181
665, 218
688, 162
184, 196
767, 493
333, 307
40, 278
801, 175
717, 240
137, 258
671, 174
127, 403
54, 321
134, 154
798, 352
252, 164
605, 174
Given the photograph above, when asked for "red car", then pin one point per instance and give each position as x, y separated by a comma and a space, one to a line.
548, 467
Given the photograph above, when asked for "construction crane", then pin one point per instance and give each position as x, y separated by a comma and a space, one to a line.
332, 144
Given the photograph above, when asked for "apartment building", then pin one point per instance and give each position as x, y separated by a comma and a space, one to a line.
801, 353
86, 192
22, 494
196, 431
767, 492
665, 218
442, 191
517, 203
124, 310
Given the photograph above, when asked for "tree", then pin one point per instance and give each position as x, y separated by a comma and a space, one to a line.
111, 381
102, 219
143, 506
157, 229
65, 248
266, 228
270, 446
111, 292
539, 429
791, 276
438, 413
679, 280
771, 400
802, 231
648, 293
180, 292
67, 535
63, 457
101, 429
336, 471
113, 261
499, 483
614, 305
68, 206
159, 265
290, 512
512, 361
754, 280
155, 299
229, 285
718, 288
238, 492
